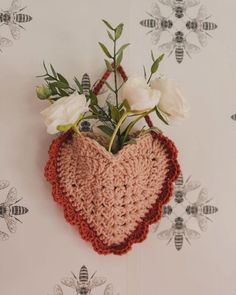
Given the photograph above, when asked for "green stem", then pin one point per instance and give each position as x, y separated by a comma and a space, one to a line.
132, 124
115, 75
121, 86
75, 126
76, 129
106, 115
149, 79
122, 119
116, 90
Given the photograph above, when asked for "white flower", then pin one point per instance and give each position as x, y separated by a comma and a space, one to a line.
172, 103
139, 95
64, 111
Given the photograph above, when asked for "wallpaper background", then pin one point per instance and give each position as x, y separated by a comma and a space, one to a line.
45, 248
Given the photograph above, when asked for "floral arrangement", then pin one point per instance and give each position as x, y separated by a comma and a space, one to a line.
112, 183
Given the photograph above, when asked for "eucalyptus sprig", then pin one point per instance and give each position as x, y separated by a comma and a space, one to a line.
113, 62
56, 87
154, 67
111, 118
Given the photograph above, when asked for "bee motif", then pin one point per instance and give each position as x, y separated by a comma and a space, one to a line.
179, 232
179, 7
233, 117
85, 126
200, 25
181, 188
5, 42
200, 209
9, 211
12, 18
108, 290
57, 290
4, 184
180, 45
83, 285
166, 211
86, 84
157, 23
3, 236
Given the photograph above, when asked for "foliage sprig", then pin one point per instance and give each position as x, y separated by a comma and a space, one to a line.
111, 118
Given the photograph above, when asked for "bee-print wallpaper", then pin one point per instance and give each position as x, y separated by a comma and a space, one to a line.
13, 18
9, 210
84, 283
181, 210
180, 25
192, 249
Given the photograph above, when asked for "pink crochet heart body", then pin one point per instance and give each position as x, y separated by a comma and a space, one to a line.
115, 195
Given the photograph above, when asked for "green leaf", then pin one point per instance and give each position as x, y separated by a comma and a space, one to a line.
121, 105
79, 85
42, 76
115, 115
94, 110
144, 73
123, 47
105, 50
108, 85
108, 25
62, 79
45, 68
118, 31
53, 89
93, 98
107, 130
131, 141
155, 65
119, 59
90, 117
152, 129
64, 128
62, 92
102, 116
108, 65
55, 98
152, 55
53, 71
49, 78
128, 129
126, 105
122, 112
159, 115
59, 85
110, 36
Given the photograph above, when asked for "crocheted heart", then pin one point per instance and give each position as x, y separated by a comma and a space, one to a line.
112, 199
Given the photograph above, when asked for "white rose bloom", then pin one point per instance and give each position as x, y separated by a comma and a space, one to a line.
172, 103
64, 111
139, 95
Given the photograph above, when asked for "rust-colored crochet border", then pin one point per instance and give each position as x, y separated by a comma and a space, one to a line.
154, 214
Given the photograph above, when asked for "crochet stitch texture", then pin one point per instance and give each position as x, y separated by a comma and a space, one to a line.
112, 199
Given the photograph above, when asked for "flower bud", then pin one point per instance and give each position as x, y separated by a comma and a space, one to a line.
43, 92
